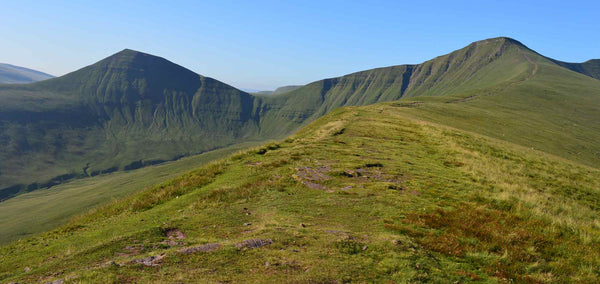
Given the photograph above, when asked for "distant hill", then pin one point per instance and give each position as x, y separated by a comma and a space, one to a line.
279, 90
10, 74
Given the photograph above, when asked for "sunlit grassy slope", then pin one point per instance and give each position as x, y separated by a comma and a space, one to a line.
364, 194
43, 210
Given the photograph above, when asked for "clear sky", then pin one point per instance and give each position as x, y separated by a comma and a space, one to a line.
265, 44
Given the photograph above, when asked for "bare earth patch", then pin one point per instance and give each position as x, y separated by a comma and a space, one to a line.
309, 176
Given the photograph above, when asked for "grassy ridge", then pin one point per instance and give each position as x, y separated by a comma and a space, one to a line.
363, 194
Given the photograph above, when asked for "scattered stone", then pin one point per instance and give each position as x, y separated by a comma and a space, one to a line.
203, 248
176, 234
57, 281
365, 248
150, 261
253, 243
336, 232
27, 269
313, 185
133, 250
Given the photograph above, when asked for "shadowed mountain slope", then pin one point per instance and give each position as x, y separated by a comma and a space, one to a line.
126, 111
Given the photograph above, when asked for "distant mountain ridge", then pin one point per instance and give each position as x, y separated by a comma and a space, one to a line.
11, 74
280, 90
134, 109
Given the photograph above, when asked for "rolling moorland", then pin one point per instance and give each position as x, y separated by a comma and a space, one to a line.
10, 74
483, 166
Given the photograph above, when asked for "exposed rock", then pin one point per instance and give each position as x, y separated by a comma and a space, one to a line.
150, 261
253, 243
204, 248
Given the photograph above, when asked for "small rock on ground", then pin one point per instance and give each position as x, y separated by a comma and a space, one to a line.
253, 243
204, 248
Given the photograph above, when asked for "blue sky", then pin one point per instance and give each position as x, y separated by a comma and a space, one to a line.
265, 44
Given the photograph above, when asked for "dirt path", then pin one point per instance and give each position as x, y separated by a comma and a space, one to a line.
535, 66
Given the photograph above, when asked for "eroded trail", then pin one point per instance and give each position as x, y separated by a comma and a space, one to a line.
535, 65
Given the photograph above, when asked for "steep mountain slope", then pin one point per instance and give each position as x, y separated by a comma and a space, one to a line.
365, 194
496, 87
589, 68
485, 64
128, 110
10, 74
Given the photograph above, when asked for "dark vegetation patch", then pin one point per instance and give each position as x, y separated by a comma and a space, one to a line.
350, 245
339, 132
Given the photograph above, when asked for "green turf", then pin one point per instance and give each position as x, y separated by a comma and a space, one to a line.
364, 194
43, 210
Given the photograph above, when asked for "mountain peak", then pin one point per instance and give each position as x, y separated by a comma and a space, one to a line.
125, 71
500, 41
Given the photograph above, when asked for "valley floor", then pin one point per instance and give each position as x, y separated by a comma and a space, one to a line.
363, 194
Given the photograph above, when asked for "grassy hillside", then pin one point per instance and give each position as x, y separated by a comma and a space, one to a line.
43, 210
10, 74
497, 87
367, 194
133, 109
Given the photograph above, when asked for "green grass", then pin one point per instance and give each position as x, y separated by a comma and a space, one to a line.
367, 194
43, 210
